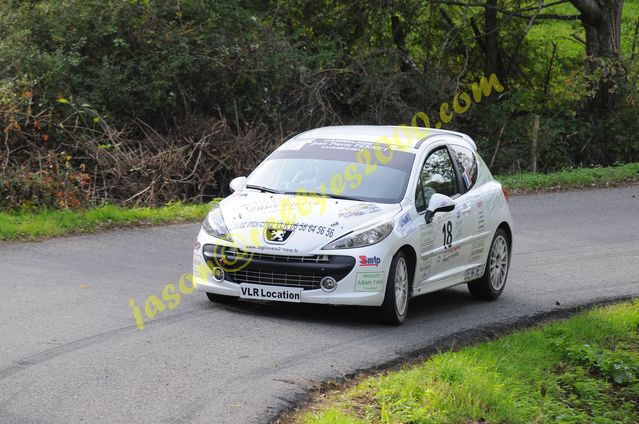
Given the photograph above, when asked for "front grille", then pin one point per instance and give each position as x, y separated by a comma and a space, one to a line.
278, 270
270, 278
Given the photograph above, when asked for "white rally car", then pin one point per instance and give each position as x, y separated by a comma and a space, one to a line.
359, 215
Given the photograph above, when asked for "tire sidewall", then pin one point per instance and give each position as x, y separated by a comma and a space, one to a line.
493, 292
390, 304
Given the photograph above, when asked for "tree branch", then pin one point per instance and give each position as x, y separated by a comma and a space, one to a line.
478, 35
498, 9
552, 60
447, 18
519, 13
549, 16
578, 38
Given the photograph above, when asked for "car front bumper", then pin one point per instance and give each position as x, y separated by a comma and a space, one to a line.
362, 283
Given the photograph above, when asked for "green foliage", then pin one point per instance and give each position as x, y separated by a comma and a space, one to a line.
105, 78
583, 369
147, 60
620, 366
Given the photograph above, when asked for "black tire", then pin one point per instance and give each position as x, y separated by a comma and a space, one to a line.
492, 283
220, 298
390, 312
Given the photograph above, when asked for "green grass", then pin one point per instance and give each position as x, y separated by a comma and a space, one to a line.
40, 224
580, 370
572, 178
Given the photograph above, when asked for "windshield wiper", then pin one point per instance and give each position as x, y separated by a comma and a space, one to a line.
264, 189
339, 196
331, 195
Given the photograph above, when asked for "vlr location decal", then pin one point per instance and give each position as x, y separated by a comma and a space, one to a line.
284, 294
369, 261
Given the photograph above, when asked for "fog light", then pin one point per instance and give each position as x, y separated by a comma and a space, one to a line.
218, 274
328, 284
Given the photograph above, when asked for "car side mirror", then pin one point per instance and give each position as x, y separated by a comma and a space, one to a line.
438, 203
237, 184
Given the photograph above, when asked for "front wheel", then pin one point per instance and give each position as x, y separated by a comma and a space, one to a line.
395, 306
491, 285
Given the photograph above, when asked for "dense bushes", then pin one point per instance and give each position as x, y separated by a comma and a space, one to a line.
148, 101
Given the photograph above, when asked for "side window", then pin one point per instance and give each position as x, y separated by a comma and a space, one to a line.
420, 204
438, 175
467, 165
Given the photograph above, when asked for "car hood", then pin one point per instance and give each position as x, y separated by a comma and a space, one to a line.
301, 226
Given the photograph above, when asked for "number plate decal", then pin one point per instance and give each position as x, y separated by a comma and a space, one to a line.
281, 294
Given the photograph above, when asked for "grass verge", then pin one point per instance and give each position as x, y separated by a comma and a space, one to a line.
572, 178
578, 370
40, 224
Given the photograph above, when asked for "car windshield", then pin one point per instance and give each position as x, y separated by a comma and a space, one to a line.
340, 168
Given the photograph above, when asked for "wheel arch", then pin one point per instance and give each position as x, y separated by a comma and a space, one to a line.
411, 256
506, 227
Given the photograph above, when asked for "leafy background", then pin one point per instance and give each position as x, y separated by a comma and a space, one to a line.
148, 102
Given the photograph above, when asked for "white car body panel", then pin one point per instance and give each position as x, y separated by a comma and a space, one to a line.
477, 215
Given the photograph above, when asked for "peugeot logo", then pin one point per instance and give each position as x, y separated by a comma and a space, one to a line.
277, 235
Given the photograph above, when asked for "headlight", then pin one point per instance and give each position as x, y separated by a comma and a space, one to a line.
214, 225
362, 238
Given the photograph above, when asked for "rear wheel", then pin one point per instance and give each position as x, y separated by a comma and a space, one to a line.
492, 284
395, 306
220, 298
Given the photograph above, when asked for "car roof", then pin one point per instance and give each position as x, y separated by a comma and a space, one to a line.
412, 137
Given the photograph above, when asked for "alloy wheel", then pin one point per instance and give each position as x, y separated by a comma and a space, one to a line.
498, 263
401, 286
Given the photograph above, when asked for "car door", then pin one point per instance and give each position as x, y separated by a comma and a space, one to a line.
440, 250
472, 233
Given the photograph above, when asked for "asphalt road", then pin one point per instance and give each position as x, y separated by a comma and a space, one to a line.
70, 351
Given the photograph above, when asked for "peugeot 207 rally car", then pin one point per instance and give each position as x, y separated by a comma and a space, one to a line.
359, 215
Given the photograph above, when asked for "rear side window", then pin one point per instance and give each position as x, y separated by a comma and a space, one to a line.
467, 165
